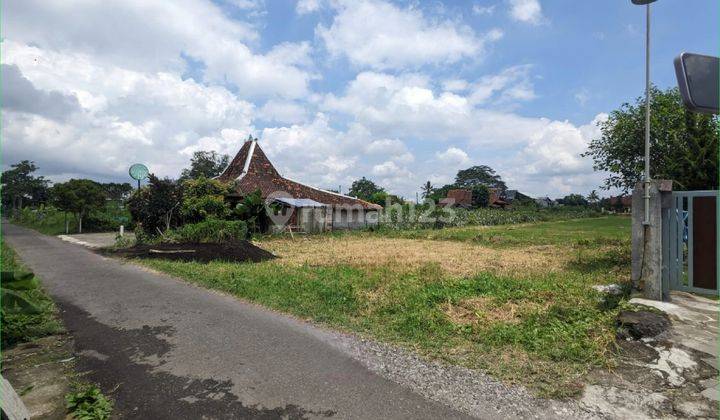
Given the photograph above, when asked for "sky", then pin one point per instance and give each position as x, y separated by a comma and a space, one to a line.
399, 92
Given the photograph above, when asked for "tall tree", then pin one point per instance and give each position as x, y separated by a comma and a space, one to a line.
593, 197
427, 190
479, 175
155, 206
20, 187
208, 164
364, 189
80, 197
683, 144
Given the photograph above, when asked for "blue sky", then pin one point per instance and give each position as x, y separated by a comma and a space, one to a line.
400, 92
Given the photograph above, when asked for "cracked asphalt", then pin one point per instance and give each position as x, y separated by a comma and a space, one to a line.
164, 349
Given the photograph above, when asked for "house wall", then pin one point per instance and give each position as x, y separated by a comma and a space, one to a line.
353, 217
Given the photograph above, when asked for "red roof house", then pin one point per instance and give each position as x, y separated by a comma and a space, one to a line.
251, 170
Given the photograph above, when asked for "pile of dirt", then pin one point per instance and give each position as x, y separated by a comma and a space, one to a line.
240, 251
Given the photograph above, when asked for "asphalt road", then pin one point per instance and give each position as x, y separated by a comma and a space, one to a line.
169, 350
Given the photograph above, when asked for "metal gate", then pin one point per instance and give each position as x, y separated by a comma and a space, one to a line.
690, 243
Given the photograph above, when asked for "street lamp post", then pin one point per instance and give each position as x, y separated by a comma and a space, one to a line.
646, 196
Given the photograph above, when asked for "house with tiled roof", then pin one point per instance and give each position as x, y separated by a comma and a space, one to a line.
303, 206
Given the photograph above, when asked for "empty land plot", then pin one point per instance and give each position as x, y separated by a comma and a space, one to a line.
514, 301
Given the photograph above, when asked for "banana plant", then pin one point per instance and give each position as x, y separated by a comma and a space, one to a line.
12, 284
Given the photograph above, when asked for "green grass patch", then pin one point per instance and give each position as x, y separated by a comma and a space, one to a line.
607, 230
19, 327
541, 330
87, 402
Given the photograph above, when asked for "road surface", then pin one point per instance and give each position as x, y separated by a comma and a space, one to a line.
170, 350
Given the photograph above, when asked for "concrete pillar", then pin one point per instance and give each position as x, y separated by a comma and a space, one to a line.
647, 240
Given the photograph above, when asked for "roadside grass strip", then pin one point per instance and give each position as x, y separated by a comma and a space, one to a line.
532, 319
23, 327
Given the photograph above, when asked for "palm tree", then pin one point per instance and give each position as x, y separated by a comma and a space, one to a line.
593, 197
427, 190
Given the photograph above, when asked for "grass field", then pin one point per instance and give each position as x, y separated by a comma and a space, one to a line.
515, 301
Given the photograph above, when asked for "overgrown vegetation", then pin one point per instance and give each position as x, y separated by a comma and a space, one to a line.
406, 217
51, 221
86, 402
27, 311
515, 301
210, 230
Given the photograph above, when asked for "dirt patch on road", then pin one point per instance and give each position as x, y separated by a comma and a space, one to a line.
241, 251
456, 258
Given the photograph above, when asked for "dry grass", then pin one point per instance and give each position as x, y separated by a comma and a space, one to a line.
487, 310
454, 258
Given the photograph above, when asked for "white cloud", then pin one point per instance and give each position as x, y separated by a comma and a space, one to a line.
537, 155
380, 35
125, 116
479, 9
582, 96
406, 106
527, 11
455, 85
308, 6
552, 156
512, 84
155, 36
453, 157
286, 112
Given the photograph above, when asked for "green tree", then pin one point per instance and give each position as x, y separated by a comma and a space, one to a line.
364, 189
683, 144
593, 197
208, 164
20, 187
154, 206
574, 200
427, 190
480, 196
79, 197
479, 175
252, 210
203, 198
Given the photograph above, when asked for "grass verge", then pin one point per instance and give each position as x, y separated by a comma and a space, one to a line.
540, 327
21, 327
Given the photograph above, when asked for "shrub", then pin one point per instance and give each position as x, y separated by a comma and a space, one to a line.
204, 198
26, 312
87, 402
211, 230
155, 206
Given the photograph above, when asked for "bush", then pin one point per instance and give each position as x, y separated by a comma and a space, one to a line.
211, 230
27, 312
87, 402
204, 198
155, 206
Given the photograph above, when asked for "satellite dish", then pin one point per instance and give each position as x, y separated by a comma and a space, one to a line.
138, 172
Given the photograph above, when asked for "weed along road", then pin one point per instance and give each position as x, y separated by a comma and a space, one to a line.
165, 349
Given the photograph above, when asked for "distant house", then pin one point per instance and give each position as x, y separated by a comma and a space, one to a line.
457, 198
512, 196
621, 203
497, 198
301, 206
545, 202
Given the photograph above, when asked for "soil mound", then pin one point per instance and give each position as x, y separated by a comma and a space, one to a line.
240, 251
